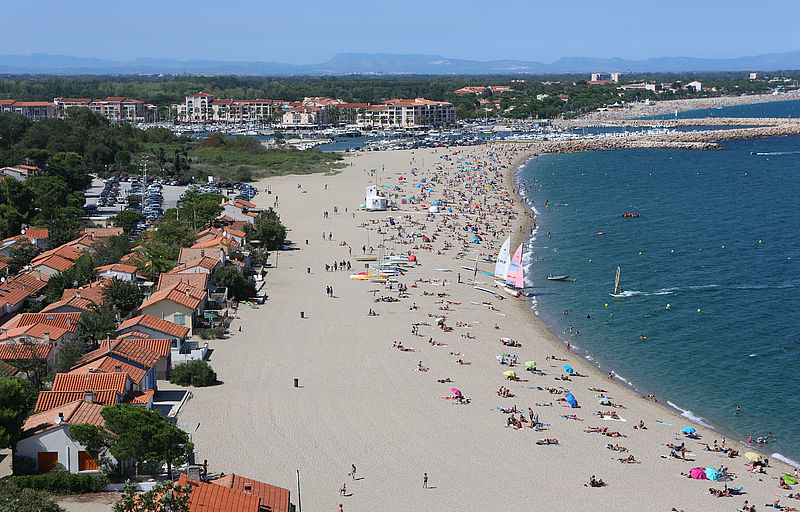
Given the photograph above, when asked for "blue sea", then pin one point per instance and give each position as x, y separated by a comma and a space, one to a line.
710, 272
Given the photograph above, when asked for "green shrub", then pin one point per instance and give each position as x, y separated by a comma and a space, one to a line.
211, 333
195, 373
62, 483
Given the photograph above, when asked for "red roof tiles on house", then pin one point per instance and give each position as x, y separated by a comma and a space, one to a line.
273, 498
75, 412
156, 324
112, 364
198, 280
50, 399
208, 497
12, 351
181, 293
94, 381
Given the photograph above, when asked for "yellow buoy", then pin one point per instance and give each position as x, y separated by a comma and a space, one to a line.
672, 250
640, 253
668, 306
759, 241
723, 246
590, 260
698, 310
606, 304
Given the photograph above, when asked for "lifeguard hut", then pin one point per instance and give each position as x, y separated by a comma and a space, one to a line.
374, 199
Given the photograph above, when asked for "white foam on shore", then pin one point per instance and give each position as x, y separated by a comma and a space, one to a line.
690, 416
787, 460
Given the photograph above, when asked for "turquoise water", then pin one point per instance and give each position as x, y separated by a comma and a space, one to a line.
718, 233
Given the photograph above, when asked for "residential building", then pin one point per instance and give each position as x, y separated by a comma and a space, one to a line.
303, 116
409, 113
46, 439
33, 110
153, 327
62, 104
119, 109
181, 304
19, 172
235, 494
118, 271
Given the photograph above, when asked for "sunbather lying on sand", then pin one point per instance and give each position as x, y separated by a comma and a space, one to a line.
616, 448
442, 381
629, 460
596, 482
571, 417
640, 426
547, 441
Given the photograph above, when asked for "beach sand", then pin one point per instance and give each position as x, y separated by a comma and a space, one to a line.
361, 402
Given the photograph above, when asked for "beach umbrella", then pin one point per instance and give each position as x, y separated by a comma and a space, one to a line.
500, 357
713, 474
698, 473
510, 373
754, 456
530, 364
688, 430
569, 369
456, 391
789, 479
571, 400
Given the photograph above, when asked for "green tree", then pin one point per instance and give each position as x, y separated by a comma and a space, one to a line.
122, 159
165, 496
12, 128
122, 295
268, 230
17, 398
81, 273
196, 372
69, 353
198, 210
135, 432
69, 167
127, 220
64, 226
97, 324
14, 499
21, 254
239, 287
111, 250
161, 158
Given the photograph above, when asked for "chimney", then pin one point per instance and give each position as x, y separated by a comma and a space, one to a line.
202, 253
118, 368
47, 337
78, 293
88, 396
69, 321
91, 369
108, 342
248, 489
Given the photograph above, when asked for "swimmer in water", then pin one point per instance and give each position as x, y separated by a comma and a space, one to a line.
642, 337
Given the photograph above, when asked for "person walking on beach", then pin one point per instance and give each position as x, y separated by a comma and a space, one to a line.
353, 471
343, 490
424, 479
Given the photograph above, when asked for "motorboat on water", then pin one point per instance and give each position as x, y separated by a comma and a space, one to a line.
557, 278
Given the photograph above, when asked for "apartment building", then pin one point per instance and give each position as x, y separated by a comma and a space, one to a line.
408, 113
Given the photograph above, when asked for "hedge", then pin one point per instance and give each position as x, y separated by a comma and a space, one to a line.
62, 483
195, 373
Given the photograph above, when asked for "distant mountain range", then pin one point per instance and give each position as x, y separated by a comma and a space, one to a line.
386, 64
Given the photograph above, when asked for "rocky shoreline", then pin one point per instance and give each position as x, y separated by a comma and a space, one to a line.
696, 140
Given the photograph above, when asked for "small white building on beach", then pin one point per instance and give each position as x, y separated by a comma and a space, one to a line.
374, 200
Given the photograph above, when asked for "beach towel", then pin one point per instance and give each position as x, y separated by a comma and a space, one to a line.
698, 474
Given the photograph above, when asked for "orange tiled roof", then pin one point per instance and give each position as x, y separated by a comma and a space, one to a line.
181, 293
55, 262
131, 350
112, 364
205, 262
198, 280
118, 267
140, 397
156, 324
103, 232
11, 351
241, 202
64, 251
74, 413
273, 498
38, 233
49, 399
19, 288
66, 321
94, 381
208, 497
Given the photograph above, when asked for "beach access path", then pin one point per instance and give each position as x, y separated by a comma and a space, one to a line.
361, 402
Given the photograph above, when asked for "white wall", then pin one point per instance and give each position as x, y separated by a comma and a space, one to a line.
53, 440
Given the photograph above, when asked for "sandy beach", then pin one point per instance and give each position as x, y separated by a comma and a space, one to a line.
362, 402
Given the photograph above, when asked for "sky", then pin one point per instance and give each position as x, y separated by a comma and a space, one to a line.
313, 31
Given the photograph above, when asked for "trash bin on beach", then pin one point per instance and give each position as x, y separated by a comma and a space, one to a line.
297, 383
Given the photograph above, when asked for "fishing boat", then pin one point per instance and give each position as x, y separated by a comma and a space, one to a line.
557, 278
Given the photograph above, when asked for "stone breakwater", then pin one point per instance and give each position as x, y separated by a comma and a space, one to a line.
705, 139
703, 121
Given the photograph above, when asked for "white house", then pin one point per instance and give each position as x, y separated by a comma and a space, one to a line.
46, 439
375, 201
118, 270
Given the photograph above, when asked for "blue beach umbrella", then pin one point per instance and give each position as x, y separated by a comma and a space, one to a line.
688, 430
571, 400
569, 369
